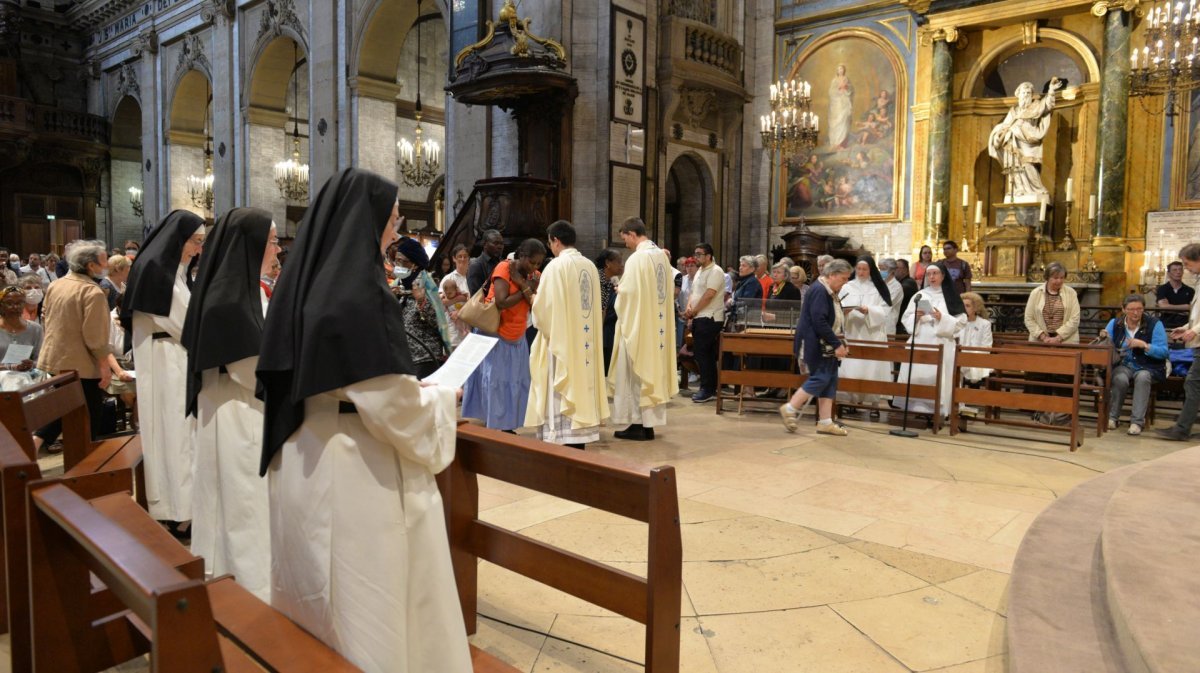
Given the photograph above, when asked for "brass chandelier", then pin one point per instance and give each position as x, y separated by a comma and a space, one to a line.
200, 187
291, 176
135, 200
419, 160
792, 125
1168, 64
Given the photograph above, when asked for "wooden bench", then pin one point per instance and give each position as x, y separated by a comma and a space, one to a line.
61, 398
648, 496
1097, 365
184, 623
1000, 393
755, 343
896, 352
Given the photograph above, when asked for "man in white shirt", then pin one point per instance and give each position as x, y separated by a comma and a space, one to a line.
706, 311
35, 267
1189, 334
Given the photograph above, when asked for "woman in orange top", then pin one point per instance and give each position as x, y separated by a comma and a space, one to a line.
498, 390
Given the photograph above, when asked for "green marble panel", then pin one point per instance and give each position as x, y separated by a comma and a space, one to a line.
1114, 124
939, 134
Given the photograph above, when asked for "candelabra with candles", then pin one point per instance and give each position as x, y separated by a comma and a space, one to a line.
792, 125
1169, 61
200, 188
135, 200
291, 176
419, 160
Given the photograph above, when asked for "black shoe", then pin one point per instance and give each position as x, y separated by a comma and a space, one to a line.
875, 415
1172, 434
180, 530
581, 447
636, 433
703, 396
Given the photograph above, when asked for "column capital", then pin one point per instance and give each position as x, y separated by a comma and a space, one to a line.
1102, 7
145, 44
210, 10
947, 34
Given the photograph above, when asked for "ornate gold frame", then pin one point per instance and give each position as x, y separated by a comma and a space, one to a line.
900, 164
1179, 200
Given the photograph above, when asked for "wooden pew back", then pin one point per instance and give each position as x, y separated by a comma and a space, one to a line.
27, 410
1054, 362
648, 496
897, 352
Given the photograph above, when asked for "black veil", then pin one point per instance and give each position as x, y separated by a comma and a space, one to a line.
151, 281
225, 317
333, 321
954, 303
877, 279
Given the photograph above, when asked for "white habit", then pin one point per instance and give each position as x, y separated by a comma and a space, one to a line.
167, 432
871, 326
930, 331
231, 527
359, 553
977, 332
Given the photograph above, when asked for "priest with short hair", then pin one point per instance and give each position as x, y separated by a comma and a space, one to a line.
567, 396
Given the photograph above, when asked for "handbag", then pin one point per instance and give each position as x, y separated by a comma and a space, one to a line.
480, 312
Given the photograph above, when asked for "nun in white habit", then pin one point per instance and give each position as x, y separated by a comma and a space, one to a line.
941, 324
351, 444
867, 303
153, 311
230, 519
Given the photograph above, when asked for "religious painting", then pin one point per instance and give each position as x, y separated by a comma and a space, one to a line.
1185, 178
859, 95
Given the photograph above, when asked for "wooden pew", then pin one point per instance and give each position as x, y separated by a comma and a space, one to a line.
187, 625
999, 393
1097, 364
644, 495
61, 397
17, 474
895, 352
750, 343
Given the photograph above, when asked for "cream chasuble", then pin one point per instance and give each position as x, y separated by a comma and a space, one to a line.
644, 343
566, 357
167, 432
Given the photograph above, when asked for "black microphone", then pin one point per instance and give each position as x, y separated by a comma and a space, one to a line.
912, 343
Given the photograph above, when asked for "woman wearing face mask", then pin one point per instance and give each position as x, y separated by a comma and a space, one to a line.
154, 308
351, 444
17, 330
498, 390
421, 315
31, 285
75, 317
131, 249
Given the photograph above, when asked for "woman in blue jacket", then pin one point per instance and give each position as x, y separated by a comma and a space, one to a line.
819, 344
1141, 342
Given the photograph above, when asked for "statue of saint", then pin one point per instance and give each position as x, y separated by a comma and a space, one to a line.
1016, 143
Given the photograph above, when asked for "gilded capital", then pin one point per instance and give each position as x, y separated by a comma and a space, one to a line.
917, 6
947, 34
1103, 7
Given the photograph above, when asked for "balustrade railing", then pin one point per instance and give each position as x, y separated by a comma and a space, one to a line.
696, 42
21, 116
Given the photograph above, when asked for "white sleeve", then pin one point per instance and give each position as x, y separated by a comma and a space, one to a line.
242, 372
173, 323
950, 325
418, 421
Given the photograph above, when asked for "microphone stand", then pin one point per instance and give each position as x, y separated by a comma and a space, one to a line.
904, 431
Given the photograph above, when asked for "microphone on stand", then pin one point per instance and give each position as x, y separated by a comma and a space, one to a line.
912, 343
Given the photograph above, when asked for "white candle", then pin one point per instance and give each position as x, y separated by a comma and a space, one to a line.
978, 212
1070, 189
1042, 213
885, 244
937, 217
966, 197
1091, 206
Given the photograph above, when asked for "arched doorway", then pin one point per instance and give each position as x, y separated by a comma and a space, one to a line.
125, 171
188, 138
689, 206
278, 112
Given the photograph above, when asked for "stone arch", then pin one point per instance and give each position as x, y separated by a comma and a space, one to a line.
259, 52
267, 87
125, 167
382, 26
190, 99
1060, 40
689, 200
125, 123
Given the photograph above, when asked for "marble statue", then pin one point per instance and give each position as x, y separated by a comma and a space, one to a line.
1016, 143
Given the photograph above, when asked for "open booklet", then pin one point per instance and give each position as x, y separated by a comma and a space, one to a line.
465, 359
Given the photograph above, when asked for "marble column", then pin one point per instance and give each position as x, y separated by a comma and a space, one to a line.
939, 136
325, 86
1114, 124
224, 66
154, 187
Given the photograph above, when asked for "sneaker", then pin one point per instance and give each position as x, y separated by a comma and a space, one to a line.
703, 396
693, 378
1135, 429
1112, 424
832, 429
789, 419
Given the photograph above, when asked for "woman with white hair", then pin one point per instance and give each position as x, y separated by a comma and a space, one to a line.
936, 316
75, 320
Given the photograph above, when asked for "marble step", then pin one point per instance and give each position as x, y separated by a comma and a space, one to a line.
1151, 553
1058, 618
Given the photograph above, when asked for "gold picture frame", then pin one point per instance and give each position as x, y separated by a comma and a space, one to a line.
854, 168
1185, 160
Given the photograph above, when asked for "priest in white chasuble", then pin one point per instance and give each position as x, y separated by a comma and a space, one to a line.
351, 444
231, 525
153, 311
567, 394
641, 374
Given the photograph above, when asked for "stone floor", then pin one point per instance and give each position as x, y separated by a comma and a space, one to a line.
859, 554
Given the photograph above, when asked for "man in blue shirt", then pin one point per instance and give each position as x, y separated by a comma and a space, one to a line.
1141, 342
